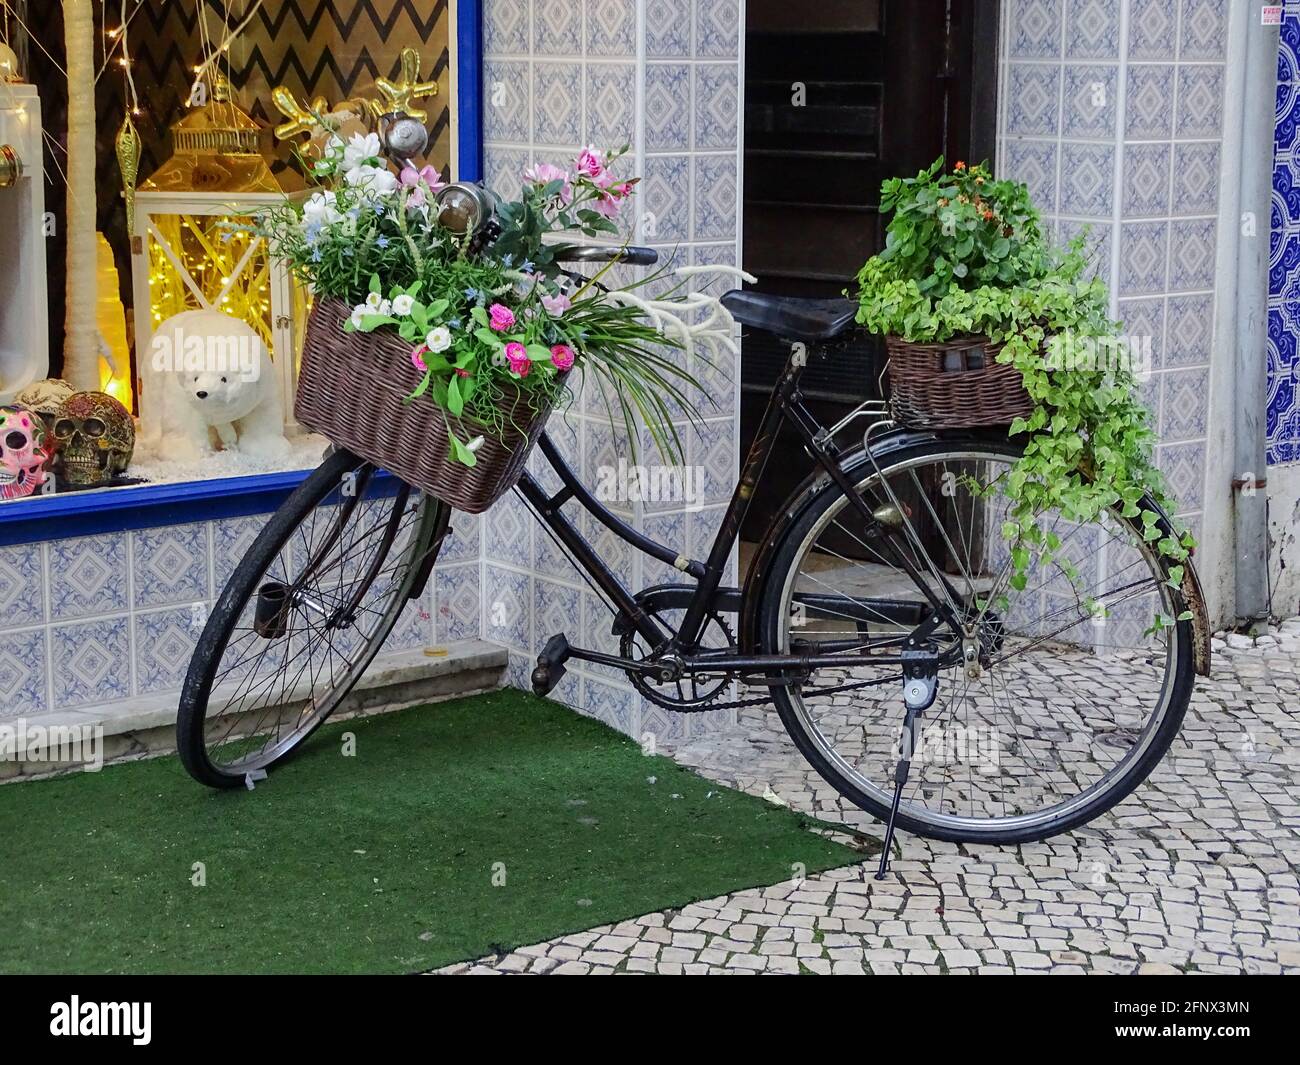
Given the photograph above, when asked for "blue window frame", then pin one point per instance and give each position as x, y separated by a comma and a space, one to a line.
57, 517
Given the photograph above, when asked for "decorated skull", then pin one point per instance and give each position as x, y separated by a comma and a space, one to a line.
95, 437
44, 397
22, 452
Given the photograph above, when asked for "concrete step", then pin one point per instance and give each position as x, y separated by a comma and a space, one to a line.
137, 728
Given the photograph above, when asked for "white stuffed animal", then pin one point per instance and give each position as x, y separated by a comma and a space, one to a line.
219, 385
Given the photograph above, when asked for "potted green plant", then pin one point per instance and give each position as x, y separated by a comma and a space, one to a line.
987, 324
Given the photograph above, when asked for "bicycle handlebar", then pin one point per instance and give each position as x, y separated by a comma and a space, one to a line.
630, 254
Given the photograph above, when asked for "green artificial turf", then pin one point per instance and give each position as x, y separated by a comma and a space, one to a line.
390, 860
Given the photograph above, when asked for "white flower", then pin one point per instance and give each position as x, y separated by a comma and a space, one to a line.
439, 339
385, 307
358, 312
402, 305
363, 149
375, 180
373, 301
320, 210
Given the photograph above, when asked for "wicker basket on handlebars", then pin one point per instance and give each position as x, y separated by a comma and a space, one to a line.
352, 389
956, 384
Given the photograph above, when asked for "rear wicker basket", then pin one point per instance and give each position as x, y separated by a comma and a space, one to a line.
957, 384
352, 388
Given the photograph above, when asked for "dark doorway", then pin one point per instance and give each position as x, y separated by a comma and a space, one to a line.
839, 95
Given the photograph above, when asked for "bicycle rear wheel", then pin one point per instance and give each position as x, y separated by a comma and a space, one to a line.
1055, 701
302, 616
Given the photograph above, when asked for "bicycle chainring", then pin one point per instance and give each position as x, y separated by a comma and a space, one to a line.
690, 694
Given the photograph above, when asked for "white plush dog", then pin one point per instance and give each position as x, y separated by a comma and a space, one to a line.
219, 387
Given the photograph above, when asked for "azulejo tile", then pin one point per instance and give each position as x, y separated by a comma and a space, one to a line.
1286, 118
87, 575
557, 103
1196, 178
458, 601
1096, 243
556, 608
717, 28
171, 564
716, 197
164, 644
1090, 101
611, 104
22, 672
1143, 323
1087, 179
1191, 255
507, 607
1184, 467
1146, 180
615, 705
666, 196
668, 529
1034, 163
1033, 99
91, 662
1203, 30
507, 531
506, 102
1184, 405
557, 28
22, 585
505, 26
504, 168
667, 106
1190, 330
668, 29
1150, 101
1035, 28
713, 451
1200, 100
1092, 29
1152, 29
463, 539
717, 105
611, 28
1143, 256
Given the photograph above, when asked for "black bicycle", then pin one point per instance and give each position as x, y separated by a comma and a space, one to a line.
877, 614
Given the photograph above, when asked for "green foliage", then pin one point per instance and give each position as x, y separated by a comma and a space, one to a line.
965, 255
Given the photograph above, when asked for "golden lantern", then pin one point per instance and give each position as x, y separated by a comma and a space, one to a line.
186, 253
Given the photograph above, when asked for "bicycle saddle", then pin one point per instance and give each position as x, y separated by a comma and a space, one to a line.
791, 317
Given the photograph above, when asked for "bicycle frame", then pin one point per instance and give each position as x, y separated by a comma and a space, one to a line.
785, 406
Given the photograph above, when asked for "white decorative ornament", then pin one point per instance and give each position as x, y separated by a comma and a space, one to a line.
220, 388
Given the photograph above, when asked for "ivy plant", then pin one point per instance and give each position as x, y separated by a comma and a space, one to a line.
965, 254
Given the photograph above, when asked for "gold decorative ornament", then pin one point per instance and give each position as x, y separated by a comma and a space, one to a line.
301, 119
128, 162
215, 148
11, 167
8, 64
95, 437
396, 97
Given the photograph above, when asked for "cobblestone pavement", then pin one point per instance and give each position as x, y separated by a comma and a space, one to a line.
1196, 872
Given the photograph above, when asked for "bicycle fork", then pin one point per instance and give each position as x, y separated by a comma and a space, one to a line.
920, 686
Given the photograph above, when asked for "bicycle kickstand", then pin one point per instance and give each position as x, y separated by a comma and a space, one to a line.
920, 685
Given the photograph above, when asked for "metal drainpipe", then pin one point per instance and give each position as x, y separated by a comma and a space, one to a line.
1250, 493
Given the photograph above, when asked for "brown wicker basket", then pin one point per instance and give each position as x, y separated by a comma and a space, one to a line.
352, 388
957, 384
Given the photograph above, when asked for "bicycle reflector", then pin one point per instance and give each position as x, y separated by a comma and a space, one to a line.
464, 208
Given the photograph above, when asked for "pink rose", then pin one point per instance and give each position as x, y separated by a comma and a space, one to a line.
556, 305
562, 356
517, 357
501, 317
545, 173
591, 162
417, 356
606, 205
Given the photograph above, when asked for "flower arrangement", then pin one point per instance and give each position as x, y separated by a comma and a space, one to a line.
965, 254
490, 314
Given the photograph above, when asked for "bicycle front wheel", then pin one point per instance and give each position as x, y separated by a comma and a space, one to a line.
302, 616
1055, 700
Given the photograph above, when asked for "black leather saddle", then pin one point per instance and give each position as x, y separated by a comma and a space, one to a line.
791, 317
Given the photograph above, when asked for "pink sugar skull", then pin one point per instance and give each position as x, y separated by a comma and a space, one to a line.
22, 452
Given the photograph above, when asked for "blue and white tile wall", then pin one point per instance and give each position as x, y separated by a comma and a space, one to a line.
1112, 112
106, 619
663, 76
1283, 420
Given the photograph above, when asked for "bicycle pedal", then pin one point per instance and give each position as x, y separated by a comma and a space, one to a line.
550, 664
